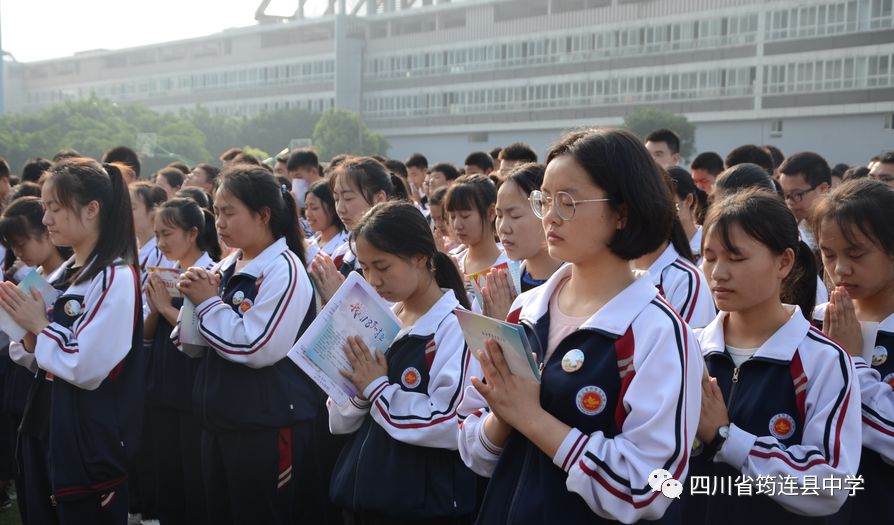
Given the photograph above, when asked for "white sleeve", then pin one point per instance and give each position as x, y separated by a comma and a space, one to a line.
830, 443
662, 404
878, 410
267, 330
100, 338
347, 418
22, 357
691, 297
475, 449
429, 419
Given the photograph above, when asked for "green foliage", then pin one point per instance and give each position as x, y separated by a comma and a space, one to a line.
341, 131
644, 121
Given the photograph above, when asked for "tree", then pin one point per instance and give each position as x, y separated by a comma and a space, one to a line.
644, 121
341, 131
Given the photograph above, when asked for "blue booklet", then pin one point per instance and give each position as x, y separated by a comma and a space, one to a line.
355, 310
511, 337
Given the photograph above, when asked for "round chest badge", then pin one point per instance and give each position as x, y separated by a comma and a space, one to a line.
411, 377
879, 355
72, 308
572, 361
238, 297
782, 426
244, 305
889, 379
591, 400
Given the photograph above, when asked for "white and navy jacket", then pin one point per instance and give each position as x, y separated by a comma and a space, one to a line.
86, 404
345, 259
247, 382
876, 379
793, 412
150, 255
684, 286
313, 245
633, 408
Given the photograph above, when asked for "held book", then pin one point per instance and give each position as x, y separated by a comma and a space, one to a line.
511, 337
31, 281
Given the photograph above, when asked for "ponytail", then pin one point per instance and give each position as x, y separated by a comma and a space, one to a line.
680, 242
447, 276
799, 286
287, 224
208, 240
186, 214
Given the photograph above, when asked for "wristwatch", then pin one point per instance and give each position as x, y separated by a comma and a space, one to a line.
720, 438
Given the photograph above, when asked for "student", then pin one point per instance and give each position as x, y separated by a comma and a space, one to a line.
146, 197
619, 395
664, 146
185, 234
404, 424
692, 203
84, 411
780, 402
319, 210
515, 154
856, 240
444, 238
470, 207
203, 176
804, 177
357, 185
170, 179
705, 169
523, 239
257, 409
23, 233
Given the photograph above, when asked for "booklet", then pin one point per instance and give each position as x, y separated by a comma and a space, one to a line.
355, 310
512, 339
46, 290
191, 341
478, 280
169, 276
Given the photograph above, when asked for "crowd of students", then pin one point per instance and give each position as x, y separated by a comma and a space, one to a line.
706, 324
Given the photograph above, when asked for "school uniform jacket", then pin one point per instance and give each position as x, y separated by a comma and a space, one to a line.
314, 248
633, 407
684, 286
406, 427
246, 382
91, 353
876, 380
793, 412
345, 259
171, 373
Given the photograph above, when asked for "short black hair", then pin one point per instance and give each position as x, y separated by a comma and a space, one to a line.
124, 155
809, 165
303, 158
34, 169
230, 154
857, 172
495, 153
397, 167
708, 161
886, 158
449, 170
172, 176
775, 154
69, 153
519, 151
742, 177
667, 136
180, 165
4, 169
618, 162
750, 154
417, 160
481, 159
839, 169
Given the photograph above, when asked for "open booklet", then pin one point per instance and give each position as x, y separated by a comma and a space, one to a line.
169, 276
511, 337
46, 290
478, 280
355, 310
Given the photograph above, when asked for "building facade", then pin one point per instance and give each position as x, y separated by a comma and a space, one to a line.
446, 78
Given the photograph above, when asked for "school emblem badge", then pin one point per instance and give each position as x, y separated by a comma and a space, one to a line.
591, 400
572, 361
238, 297
411, 377
782, 426
72, 307
244, 305
879, 355
889, 379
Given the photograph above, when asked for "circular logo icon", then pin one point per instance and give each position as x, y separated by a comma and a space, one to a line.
573, 360
879, 355
244, 305
889, 379
782, 426
411, 377
72, 307
238, 297
591, 400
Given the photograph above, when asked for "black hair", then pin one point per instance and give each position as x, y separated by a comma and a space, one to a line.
528, 177
839, 169
366, 174
322, 191
519, 151
680, 241
618, 162
767, 220
862, 205
150, 193
741, 177
775, 154
449, 170
683, 186
417, 160
186, 214
667, 136
24, 189
886, 158
125, 156
472, 193
437, 198
69, 153
750, 154
173, 176
495, 153
809, 165
210, 170
338, 160
196, 194
481, 159
75, 183
4, 169
399, 228
401, 190
245, 158
708, 161
23, 218
179, 165
34, 169
303, 158
857, 172
230, 154
256, 188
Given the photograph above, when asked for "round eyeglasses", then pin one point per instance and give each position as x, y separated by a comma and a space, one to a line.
565, 204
